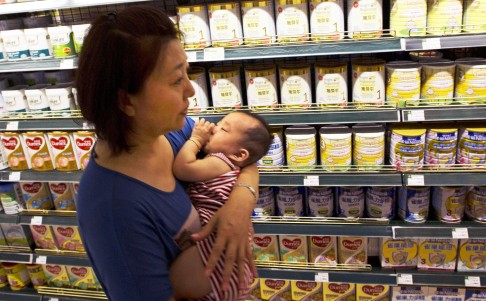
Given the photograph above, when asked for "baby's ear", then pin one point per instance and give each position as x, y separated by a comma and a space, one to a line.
240, 156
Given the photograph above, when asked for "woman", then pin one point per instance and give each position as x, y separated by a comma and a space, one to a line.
134, 216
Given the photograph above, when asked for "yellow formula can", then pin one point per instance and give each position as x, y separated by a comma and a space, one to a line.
331, 82
408, 18
365, 19
444, 16
15, 151
448, 203
36, 274
225, 87
440, 147
403, 83
295, 85
258, 22
471, 148
472, 255
301, 146
326, 19
261, 86
291, 20
368, 146
39, 150
368, 82
193, 23
17, 275
407, 148
335, 147
470, 80
225, 24
199, 101
474, 12
437, 82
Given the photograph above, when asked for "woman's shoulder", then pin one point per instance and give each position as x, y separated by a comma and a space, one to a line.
178, 138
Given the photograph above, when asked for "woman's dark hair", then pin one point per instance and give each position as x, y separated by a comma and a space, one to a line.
257, 140
119, 52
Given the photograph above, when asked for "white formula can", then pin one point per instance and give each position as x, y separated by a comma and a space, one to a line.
225, 24
380, 202
199, 101
290, 201
193, 23
261, 86
408, 18
350, 201
39, 43
413, 203
335, 147
225, 87
301, 148
444, 16
292, 20
258, 22
440, 147
403, 83
368, 83
331, 82
275, 156
326, 19
320, 201
448, 203
295, 85
365, 19
266, 201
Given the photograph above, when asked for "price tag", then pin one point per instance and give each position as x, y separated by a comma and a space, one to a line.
191, 56
321, 277
416, 115
474, 281
14, 176
53, 299
41, 259
36, 220
214, 54
460, 233
403, 44
431, 43
12, 125
404, 279
67, 64
311, 181
86, 126
415, 180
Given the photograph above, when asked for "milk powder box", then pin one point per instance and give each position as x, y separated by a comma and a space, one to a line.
398, 253
445, 294
62, 195
43, 237
293, 248
475, 294
15, 151
17, 235
56, 275
472, 255
255, 293
38, 150
334, 291
437, 254
36, 195
275, 289
306, 290
352, 250
322, 249
83, 278
63, 151
68, 238
372, 292
409, 293
265, 247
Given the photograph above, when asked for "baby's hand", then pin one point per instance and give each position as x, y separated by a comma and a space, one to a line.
202, 130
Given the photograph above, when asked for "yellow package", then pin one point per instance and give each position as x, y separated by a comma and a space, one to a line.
352, 250
293, 248
37, 275
265, 247
3, 277
372, 292
322, 249
437, 254
43, 237
56, 275
255, 293
17, 275
306, 290
472, 255
83, 278
339, 291
398, 253
275, 289
68, 238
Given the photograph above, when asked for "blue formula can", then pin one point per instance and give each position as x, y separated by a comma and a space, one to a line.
413, 204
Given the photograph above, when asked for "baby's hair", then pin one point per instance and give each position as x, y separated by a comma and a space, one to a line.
257, 139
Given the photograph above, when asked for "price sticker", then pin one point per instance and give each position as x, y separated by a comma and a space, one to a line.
53, 299
12, 125
41, 259
415, 180
214, 54
191, 56
36, 220
14, 176
472, 281
416, 115
431, 43
460, 233
403, 44
86, 126
67, 64
311, 181
404, 279
321, 277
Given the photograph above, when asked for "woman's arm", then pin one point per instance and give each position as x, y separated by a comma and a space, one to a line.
232, 223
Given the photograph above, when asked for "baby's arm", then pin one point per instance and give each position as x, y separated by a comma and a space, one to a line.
186, 165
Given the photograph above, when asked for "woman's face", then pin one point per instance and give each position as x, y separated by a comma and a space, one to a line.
163, 102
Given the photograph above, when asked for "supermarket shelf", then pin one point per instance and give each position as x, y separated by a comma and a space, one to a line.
38, 65
45, 121
16, 257
444, 42
449, 113
28, 294
436, 229
43, 176
33, 6
48, 220
445, 178
8, 218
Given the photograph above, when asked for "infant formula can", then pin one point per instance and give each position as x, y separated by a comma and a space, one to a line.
369, 146
471, 147
425, 56
63, 151
193, 22
62, 195
331, 82
39, 150
36, 274
322, 249
295, 85
408, 18
472, 256
38, 43
199, 101
398, 253
438, 254
368, 82
470, 80
17, 275
290, 201
62, 40
258, 22
261, 86
266, 201
403, 83
60, 97
292, 20
474, 12
84, 142
350, 201
79, 32
448, 203
407, 148
444, 16
476, 204
15, 43
352, 250
275, 155
335, 147
225, 24
319, 201
440, 147
365, 19
36, 195
225, 87
14, 98
437, 82
16, 151
326, 19
413, 203
37, 98
301, 146
380, 202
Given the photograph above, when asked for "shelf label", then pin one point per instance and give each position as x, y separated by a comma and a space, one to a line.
415, 180
53, 299
311, 181
460, 233
86, 126
405, 279
36, 220
191, 56
474, 281
67, 64
41, 259
431, 43
14, 176
403, 44
416, 115
214, 54
321, 277
12, 125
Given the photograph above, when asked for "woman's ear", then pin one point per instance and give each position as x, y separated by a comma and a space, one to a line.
125, 103
240, 156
